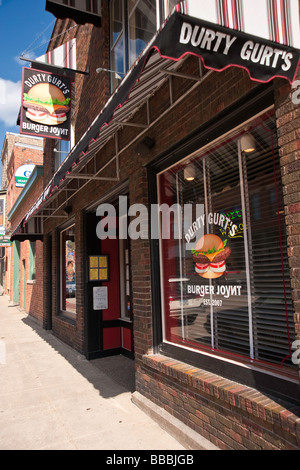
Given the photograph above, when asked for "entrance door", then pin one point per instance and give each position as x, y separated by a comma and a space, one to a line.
108, 294
16, 273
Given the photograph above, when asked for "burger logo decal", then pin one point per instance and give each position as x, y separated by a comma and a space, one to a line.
209, 251
46, 104
209, 255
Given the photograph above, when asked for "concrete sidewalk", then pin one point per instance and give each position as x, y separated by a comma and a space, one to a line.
52, 398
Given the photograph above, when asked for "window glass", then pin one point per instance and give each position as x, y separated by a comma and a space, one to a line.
117, 19
1, 211
169, 5
32, 261
61, 151
142, 25
125, 278
224, 267
68, 270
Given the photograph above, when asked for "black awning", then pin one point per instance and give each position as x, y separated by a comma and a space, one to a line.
31, 231
79, 14
219, 47
28, 236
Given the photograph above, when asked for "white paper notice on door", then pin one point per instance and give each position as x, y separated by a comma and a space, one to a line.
100, 301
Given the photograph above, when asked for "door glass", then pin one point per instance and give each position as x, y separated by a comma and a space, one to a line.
68, 278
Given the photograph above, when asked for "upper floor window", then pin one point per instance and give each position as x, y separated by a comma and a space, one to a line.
61, 150
133, 24
92, 6
1, 212
32, 260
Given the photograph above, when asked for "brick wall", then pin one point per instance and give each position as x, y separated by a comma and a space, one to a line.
33, 288
288, 124
230, 415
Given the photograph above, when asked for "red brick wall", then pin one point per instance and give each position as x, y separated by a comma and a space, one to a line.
288, 123
33, 289
19, 157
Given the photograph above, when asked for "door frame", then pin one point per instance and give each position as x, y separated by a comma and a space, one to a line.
16, 272
93, 320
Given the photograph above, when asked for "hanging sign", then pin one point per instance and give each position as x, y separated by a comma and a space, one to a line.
22, 175
46, 104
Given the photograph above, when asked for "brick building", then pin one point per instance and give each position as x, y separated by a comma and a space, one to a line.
22, 159
204, 296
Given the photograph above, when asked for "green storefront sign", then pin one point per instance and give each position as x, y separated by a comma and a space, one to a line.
5, 241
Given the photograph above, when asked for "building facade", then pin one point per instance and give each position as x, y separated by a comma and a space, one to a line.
171, 229
22, 158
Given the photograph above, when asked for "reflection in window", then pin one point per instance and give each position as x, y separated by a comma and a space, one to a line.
226, 286
32, 261
142, 26
60, 152
133, 24
1, 211
68, 271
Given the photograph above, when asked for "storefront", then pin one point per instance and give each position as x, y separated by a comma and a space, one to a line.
200, 139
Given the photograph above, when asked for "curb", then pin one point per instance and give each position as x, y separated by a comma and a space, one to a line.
183, 434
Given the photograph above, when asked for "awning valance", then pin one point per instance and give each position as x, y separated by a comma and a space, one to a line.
221, 47
220, 34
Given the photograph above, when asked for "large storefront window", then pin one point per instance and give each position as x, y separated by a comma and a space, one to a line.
68, 271
224, 268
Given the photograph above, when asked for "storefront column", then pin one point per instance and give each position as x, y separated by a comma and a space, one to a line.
141, 276
80, 282
287, 103
47, 282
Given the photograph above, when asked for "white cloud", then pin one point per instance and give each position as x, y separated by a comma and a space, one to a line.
10, 101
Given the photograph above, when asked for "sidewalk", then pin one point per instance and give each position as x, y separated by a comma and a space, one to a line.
52, 398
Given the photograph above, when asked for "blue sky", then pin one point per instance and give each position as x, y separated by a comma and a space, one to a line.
25, 28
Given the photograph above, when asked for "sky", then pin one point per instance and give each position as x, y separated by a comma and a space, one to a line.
25, 30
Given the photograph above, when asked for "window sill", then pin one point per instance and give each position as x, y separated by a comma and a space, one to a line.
67, 317
125, 319
282, 385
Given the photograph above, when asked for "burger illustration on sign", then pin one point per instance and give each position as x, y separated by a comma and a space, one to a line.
209, 255
45, 103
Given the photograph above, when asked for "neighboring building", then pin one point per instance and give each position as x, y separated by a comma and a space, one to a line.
21, 157
27, 286
212, 328
4, 241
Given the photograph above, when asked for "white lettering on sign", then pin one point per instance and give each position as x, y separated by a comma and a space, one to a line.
266, 55
251, 51
206, 38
